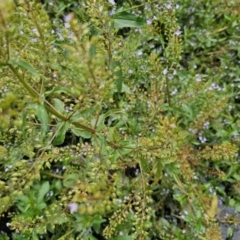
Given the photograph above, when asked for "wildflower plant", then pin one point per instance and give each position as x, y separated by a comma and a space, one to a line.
119, 119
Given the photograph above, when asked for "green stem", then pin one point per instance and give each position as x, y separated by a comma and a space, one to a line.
47, 105
65, 235
52, 175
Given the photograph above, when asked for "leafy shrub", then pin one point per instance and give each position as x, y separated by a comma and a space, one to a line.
118, 120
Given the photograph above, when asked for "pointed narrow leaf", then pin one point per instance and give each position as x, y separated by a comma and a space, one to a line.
99, 122
42, 116
158, 171
58, 89
60, 136
81, 133
25, 65
144, 165
59, 105
123, 238
70, 180
44, 189
125, 19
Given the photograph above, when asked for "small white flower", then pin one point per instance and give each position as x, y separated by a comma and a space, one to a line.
169, 6
198, 78
165, 71
178, 32
202, 139
73, 207
206, 125
149, 21
139, 53
68, 18
34, 40
112, 2
35, 31
174, 91
126, 197
66, 25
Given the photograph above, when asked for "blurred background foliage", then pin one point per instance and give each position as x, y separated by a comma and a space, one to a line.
119, 119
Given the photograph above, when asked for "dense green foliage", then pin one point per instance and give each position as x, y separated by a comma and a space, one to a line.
118, 120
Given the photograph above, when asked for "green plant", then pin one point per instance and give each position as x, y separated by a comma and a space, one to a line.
116, 121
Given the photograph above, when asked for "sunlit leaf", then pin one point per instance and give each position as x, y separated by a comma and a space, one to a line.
81, 133
213, 210
58, 89
44, 189
42, 115
125, 19
123, 238
158, 171
70, 180
24, 65
60, 136
98, 122
59, 105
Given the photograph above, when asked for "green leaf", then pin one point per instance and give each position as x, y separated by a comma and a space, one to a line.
125, 19
34, 236
70, 180
81, 133
91, 237
158, 171
112, 134
4, 237
123, 238
42, 116
126, 147
41, 205
62, 128
98, 122
144, 165
58, 89
24, 65
115, 156
59, 105
60, 219
230, 232
124, 88
97, 224
44, 189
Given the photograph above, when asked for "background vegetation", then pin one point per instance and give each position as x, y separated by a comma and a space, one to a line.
119, 119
